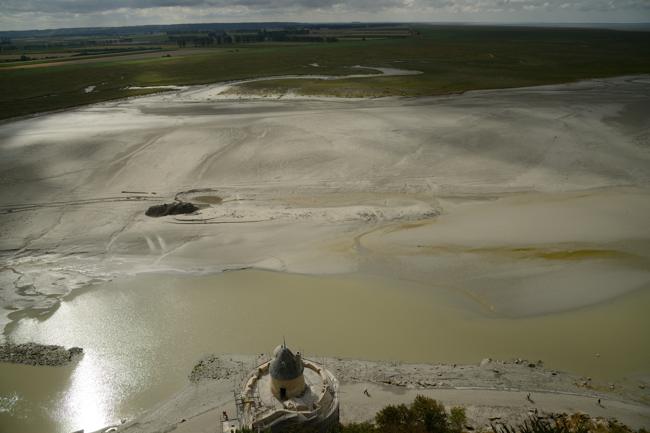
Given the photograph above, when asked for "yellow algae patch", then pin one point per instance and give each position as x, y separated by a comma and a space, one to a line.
414, 224
343, 245
392, 228
531, 252
581, 254
554, 253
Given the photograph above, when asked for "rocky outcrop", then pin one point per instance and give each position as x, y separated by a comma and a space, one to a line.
38, 354
214, 367
171, 209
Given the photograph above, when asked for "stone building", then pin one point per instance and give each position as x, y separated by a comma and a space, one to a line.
289, 391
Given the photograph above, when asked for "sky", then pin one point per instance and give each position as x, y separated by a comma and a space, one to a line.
40, 14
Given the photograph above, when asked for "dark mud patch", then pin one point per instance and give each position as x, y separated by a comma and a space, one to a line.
165, 209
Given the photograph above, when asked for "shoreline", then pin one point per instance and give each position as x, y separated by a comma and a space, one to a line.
171, 88
175, 88
198, 406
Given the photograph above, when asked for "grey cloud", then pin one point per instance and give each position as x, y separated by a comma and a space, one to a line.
89, 6
94, 6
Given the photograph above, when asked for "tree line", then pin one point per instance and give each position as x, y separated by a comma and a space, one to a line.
224, 38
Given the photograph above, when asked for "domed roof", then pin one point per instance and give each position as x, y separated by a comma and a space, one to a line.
286, 365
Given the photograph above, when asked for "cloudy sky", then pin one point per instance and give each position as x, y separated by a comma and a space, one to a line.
30, 14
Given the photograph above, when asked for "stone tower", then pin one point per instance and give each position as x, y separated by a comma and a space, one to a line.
286, 370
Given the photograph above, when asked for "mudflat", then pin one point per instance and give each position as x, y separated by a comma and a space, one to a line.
529, 201
506, 213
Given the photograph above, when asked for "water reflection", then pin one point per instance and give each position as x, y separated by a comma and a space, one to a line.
33, 395
143, 334
89, 399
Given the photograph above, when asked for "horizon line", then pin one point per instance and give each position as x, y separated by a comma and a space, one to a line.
468, 23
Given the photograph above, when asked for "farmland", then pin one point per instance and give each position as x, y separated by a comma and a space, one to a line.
452, 59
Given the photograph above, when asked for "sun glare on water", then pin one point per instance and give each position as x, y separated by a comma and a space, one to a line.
87, 403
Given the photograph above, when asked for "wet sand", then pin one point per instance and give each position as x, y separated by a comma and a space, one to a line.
520, 216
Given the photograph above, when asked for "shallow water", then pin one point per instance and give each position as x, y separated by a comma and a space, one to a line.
143, 334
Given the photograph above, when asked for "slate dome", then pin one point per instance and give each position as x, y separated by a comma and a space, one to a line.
286, 365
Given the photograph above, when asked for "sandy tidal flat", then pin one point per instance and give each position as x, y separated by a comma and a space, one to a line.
530, 200
517, 203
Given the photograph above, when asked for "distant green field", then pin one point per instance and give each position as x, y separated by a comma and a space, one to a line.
453, 59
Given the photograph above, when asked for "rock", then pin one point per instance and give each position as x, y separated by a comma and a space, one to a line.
485, 362
38, 354
165, 209
214, 368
